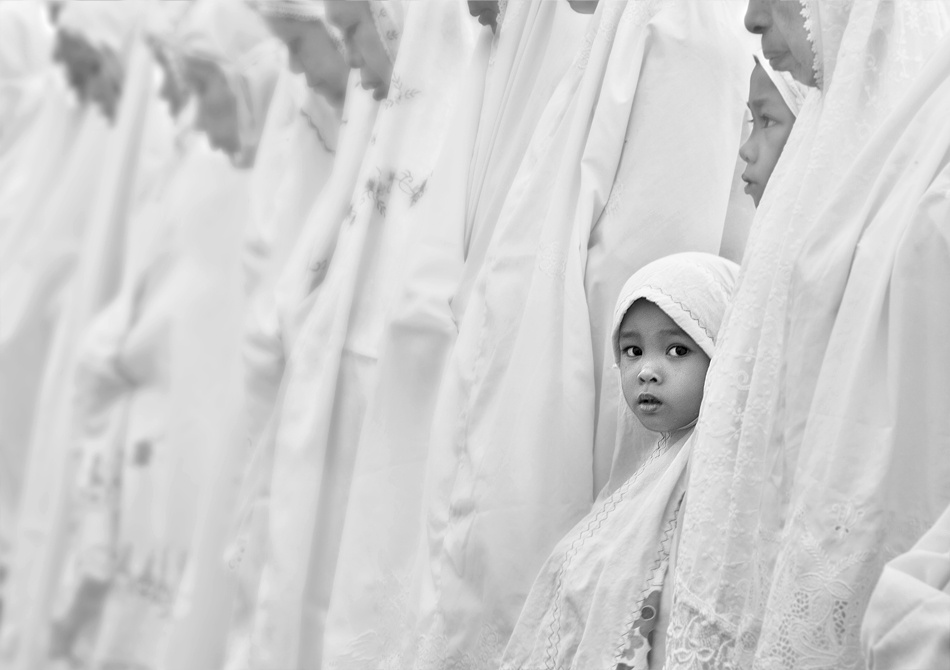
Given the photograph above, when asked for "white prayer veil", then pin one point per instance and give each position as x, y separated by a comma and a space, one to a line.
26, 49
299, 10
793, 93
512, 464
332, 368
231, 35
788, 519
595, 601
505, 88
105, 25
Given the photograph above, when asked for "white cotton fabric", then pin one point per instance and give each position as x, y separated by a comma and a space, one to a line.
332, 368
905, 625
586, 607
507, 84
512, 463
818, 454
104, 24
792, 92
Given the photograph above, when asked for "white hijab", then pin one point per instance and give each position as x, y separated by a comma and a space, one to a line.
790, 517
512, 463
332, 368
507, 84
596, 601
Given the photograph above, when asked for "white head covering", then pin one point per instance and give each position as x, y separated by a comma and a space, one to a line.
792, 92
787, 527
589, 205
692, 288
503, 92
299, 10
586, 607
231, 35
333, 366
389, 17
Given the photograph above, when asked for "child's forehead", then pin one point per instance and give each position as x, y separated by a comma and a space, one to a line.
645, 318
761, 87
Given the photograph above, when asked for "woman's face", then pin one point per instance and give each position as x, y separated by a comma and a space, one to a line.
364, 49
784, 39
313, 53
217, 105
95, 75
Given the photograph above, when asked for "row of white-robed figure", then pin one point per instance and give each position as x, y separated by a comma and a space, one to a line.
329, 397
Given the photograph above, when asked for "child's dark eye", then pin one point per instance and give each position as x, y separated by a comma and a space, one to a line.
632, 352
677, 351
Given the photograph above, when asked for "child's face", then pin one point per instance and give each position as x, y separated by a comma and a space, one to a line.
772, 123
662, 370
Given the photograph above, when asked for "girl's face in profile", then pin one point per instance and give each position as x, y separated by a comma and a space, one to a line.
662, 371
313, 53
217, 113
784, 39
364, 49
772, 123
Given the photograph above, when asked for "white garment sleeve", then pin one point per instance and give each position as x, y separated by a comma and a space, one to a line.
907, 624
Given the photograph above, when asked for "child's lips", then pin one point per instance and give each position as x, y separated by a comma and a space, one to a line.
648, 403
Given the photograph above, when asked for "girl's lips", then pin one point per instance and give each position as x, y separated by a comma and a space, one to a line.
648, 403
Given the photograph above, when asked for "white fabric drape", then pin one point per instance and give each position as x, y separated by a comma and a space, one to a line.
507, 84
819, 453
512, 461
332, 367
905, 625
131, 160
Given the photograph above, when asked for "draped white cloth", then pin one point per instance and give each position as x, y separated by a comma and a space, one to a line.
271, 334
599, 599
507, 84
332, 368
905, 625
512, 463
132, 157
36, 124
820, 452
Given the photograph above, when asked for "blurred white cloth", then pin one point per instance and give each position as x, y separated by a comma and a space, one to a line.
131, 159
907, 623
332, 367
612, 179
506, 86
821, 453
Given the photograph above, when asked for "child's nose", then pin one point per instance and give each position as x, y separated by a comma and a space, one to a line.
648, 374
747, 151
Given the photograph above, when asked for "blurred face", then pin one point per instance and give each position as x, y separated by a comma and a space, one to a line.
772, 123
217, 113
173, 90
784, 39
364, 49
583, 6
313, 53
486, 11
662, 370
95, 75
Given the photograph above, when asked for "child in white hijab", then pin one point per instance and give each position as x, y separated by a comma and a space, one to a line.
600, 597
775, 99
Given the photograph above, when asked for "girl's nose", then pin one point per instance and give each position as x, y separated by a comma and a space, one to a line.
648, 374
758, 16
747, 151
